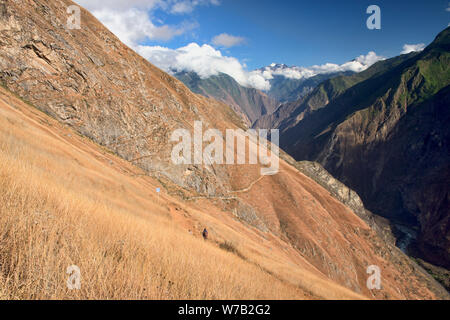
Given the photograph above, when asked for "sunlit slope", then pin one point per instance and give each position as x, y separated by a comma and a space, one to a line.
65, 201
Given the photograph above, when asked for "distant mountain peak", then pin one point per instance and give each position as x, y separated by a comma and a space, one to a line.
274, 66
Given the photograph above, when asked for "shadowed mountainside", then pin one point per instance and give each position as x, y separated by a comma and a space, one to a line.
250, 103
384, 133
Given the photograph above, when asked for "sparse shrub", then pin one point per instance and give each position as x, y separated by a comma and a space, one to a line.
230, 247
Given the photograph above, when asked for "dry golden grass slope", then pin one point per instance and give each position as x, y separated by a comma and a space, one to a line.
66, 201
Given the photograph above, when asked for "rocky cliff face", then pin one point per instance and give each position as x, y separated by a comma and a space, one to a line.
383, 133
88, 80
348, 197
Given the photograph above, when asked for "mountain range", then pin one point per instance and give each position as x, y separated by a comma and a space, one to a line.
251, 103
87, 177
383, 133
368, 105
288, 84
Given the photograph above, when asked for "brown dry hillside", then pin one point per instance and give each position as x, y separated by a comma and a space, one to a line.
66, 200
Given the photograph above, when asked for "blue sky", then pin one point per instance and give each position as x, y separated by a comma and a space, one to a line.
312, 32
182, 34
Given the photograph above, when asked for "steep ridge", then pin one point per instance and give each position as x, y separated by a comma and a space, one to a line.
250, 103
65, 200
275, 120
383, 133
87, 79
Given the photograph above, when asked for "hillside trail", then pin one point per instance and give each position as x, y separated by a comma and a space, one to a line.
244, 190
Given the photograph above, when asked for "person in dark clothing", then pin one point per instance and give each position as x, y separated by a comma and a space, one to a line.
205, 234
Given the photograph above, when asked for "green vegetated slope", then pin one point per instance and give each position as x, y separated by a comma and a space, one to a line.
384, 132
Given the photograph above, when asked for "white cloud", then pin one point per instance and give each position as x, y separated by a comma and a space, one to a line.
172, 6
448, 7
203, 60
118, 5
133, 26
227, 40
408, 48
369, 59
187, 6
207, 61
182, 7
131, 20
359, 64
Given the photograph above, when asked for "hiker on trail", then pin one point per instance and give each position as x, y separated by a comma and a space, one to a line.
205, 234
